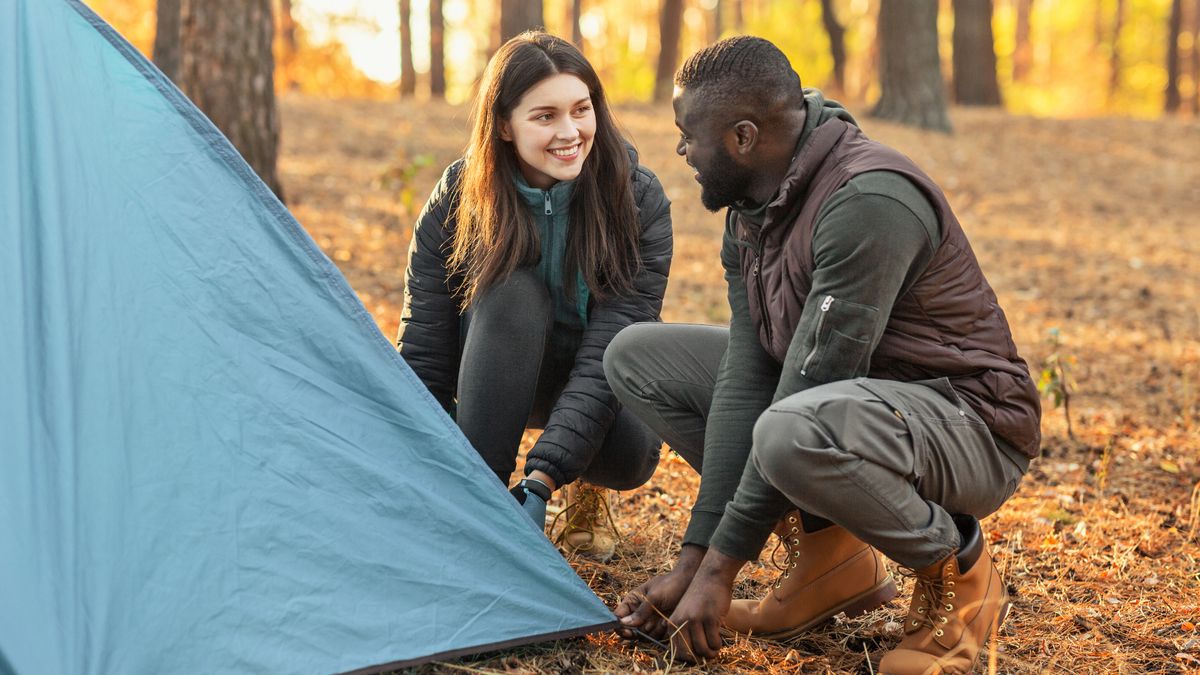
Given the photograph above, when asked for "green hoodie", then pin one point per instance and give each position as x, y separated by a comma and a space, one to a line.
550, 209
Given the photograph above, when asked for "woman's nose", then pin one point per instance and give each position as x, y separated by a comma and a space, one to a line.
568, 130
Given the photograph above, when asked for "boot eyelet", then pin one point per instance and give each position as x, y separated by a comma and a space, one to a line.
950, 594
920, 610
795, 530
793, 565
792, 520
945, 620
916, 623
940, 632
787, 575
795, 542
795, 554
949, 608
922, 596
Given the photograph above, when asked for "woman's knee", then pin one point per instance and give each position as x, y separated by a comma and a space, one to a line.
519, 301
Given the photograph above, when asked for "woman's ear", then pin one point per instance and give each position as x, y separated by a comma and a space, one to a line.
505, 131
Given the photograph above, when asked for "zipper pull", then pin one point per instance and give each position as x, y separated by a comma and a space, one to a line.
754, 268
549, 209
825, 305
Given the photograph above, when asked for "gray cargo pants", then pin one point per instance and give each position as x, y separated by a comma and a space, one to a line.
889, 461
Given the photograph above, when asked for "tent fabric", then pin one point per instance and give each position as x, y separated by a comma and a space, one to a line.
211, 460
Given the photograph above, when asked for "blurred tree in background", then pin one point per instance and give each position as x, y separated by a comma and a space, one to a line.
1062, 58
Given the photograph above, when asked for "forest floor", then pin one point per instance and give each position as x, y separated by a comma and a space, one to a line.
1084, 226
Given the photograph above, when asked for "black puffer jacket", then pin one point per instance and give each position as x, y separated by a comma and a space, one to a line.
429, 329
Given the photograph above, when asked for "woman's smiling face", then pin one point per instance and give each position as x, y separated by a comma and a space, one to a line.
551, 128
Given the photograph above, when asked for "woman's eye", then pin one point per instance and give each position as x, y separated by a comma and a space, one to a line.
583, 110
544, 117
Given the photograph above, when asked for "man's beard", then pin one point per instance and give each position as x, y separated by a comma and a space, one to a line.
724, 183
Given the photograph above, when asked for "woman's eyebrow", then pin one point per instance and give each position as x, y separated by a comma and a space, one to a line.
536, 108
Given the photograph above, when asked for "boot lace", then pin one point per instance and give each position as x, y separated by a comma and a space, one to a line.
786, 541
587, 512
933, 600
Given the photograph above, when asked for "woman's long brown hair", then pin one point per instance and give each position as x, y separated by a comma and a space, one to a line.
495, 232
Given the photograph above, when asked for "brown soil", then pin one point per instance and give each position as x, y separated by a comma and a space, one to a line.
1088, 226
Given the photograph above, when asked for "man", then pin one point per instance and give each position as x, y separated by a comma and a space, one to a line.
867, 396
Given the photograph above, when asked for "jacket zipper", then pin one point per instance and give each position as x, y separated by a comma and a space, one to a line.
825, 305
546, 197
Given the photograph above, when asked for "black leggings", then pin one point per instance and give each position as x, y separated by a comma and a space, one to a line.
515, 363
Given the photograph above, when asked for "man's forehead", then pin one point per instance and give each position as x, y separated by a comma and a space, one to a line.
682, 101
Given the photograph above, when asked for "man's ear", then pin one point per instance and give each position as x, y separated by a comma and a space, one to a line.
505, 130
745, 136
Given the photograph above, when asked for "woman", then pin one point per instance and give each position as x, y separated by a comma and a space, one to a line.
533, 251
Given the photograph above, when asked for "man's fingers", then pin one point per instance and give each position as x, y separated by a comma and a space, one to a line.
629, 603
712, 631
655, 627
639, 616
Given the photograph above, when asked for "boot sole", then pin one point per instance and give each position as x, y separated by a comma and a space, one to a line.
878, 595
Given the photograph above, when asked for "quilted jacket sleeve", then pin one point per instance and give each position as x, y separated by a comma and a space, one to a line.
587, 406
428, 339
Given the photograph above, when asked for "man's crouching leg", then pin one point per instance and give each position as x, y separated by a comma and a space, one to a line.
892, 473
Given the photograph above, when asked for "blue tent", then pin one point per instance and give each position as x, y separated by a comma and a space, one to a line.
211, 460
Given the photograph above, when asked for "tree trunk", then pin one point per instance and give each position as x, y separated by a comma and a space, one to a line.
718, 26
437, 51
408, 73
670, 25
166, 38
1114, 61
1196, 59
910, 69
837, 43
287, 35
576, 31
974, 55
1174, 26
1023, 50
518, 16
228, 70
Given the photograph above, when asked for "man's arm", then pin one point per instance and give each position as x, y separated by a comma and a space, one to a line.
746, 381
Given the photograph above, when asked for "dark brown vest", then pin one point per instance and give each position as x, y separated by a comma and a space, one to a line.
949, 324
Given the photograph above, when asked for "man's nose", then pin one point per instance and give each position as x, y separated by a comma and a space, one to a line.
681, 148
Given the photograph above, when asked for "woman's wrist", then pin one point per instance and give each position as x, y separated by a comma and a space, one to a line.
543, 478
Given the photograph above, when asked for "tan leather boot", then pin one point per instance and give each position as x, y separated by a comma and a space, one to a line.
827, 572
589, 530
957, 604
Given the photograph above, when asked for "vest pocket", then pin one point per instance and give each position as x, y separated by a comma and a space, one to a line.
842, 341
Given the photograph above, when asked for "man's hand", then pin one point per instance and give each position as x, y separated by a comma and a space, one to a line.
646, 607
696, 621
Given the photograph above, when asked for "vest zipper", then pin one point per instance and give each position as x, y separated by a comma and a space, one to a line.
762, 296
549, 209
825, 305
